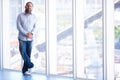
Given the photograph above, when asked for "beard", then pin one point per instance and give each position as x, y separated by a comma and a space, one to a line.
28, 11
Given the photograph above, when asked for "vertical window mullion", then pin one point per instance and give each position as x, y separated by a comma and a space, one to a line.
47, 36
79, 38
74, 36
52, 36
108, 9
1, 34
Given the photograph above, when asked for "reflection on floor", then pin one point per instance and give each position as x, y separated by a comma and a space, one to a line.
16, 75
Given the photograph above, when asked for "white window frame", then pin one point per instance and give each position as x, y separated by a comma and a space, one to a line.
51, 36
78, 29
108, 33
1, 32
6, 45
108, 38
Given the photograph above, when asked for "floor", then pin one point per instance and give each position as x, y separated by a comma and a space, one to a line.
16, 75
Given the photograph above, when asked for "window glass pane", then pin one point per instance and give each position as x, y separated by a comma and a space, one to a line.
39, 48
93, 40
64, 37
11, 59
117, 38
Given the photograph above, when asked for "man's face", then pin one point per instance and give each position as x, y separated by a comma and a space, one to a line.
28, 7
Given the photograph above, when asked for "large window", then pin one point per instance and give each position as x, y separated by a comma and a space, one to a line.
117, 38
39, 48
93, 39
71, 38
64, 37
12, 58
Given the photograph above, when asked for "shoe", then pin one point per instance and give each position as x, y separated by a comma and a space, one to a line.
31, 65
27, 73
29, 70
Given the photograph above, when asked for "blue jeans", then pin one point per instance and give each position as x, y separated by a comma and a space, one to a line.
25, 48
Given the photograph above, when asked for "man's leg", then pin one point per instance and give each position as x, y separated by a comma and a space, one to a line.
24, 69
22, 48
29, 50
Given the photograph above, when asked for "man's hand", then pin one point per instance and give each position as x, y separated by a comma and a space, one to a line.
29, 35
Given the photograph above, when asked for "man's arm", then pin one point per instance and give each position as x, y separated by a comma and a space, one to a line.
19, 26
34, 26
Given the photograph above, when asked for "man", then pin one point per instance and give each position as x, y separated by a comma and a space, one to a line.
26, 24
